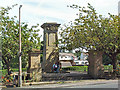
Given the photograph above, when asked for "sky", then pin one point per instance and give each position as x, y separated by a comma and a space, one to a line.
42, 11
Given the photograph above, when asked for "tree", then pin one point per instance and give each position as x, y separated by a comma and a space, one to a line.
10, 39
106, 60
93, 32
78, 54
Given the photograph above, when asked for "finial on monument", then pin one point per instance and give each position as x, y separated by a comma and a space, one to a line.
50, 26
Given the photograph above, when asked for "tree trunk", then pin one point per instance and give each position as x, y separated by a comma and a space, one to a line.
7, 63
8, 69
113, 57
114, 63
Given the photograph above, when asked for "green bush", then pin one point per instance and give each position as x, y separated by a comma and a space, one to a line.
108, 67
4, 72
17, 70
85, 68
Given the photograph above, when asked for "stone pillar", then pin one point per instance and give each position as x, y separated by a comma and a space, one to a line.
95, 68
34, 67
50, 48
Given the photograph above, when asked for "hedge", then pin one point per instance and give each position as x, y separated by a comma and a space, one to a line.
85, 68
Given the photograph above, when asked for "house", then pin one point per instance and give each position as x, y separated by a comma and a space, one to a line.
69, 59
83, 59
66, 59
84, 56
81, 62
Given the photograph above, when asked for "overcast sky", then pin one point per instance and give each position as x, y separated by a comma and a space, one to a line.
41, 11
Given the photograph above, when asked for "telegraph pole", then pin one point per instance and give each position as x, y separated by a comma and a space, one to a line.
20, 62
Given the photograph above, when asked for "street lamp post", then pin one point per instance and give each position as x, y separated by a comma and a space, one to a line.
20, 62
119, 14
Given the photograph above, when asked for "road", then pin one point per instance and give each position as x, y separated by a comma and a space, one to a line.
99, 85
81, 84
78, 84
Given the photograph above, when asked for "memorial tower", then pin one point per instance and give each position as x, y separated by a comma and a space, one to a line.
50, 48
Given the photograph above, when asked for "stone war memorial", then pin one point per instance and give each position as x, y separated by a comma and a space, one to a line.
50, 48
50, 51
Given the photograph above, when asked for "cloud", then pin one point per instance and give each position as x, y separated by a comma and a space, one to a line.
106, 6
57, 9
41, 11
48, 12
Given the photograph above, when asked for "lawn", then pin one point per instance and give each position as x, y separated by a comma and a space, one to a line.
4, 71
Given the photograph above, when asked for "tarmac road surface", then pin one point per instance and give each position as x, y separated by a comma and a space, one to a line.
78, 85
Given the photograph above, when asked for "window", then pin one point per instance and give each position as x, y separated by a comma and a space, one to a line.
77, 63
82, 62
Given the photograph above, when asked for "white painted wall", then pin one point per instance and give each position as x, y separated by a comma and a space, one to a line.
66, 57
